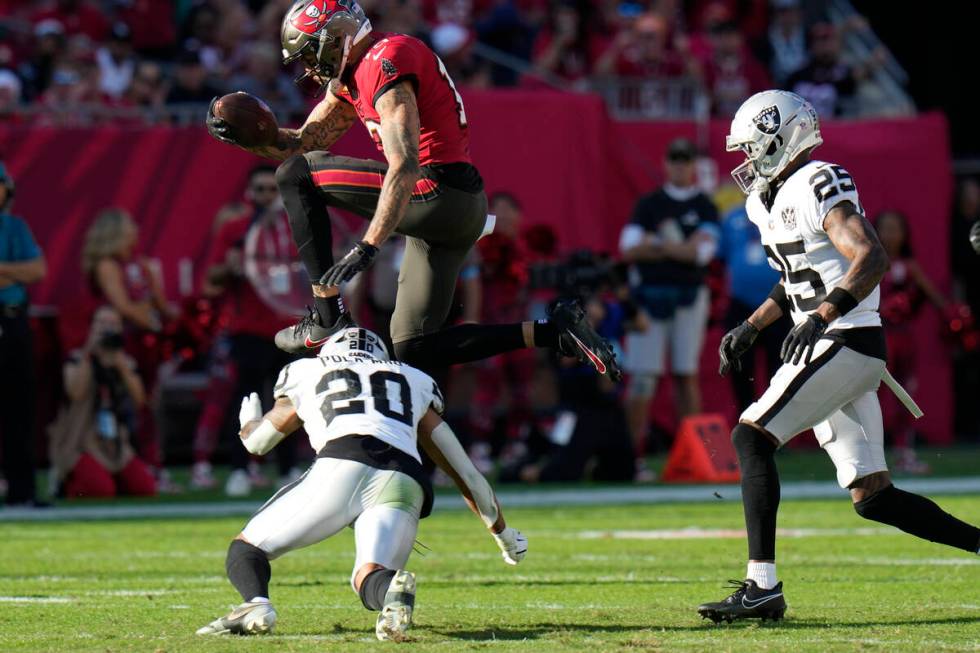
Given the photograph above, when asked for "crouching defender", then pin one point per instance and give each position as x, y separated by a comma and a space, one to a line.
364, 415
814, 231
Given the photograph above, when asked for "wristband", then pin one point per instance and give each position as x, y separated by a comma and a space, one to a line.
842, 300
778, 295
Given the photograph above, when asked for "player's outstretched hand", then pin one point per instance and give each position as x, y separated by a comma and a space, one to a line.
357, 260
218, 127
513, 545
975, 236
733, 344
802, 339
251, 409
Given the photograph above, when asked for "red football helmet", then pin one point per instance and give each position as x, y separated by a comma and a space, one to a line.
321, 33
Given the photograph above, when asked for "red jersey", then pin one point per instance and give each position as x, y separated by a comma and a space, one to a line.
241, 311
394, 58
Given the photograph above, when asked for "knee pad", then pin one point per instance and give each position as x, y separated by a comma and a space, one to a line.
880, 506
642, 386
293, 171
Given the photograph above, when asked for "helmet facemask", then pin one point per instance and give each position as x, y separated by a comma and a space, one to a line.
324, 53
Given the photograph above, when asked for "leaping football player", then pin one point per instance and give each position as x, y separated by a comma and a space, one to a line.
428, 189
365, 416
814, 231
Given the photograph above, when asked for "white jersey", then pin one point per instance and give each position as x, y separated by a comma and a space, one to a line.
337, 396
799, 248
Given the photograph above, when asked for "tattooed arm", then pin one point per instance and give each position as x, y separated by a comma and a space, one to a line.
329, 120
399, 115
855, 238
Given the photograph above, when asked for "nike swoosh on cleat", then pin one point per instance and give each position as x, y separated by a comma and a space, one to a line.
753, 604
599, 365
310, 344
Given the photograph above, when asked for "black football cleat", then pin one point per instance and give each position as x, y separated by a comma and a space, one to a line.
308, 334
748, 601
577, 339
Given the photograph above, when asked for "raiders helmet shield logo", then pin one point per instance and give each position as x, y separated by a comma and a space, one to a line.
789, 217
388, 68
768, 120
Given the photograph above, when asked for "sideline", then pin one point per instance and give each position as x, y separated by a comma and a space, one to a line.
537, 498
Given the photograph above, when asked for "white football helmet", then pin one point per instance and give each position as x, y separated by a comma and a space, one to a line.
354, 342
772, 128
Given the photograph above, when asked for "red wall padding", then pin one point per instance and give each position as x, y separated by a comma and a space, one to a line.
569, 164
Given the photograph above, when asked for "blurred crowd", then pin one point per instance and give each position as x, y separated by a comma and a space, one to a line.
146, 383
84, 61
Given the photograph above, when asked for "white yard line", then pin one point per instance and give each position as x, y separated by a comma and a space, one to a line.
732, 533
536, 498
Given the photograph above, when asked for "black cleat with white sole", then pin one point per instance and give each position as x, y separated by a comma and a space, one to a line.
577, 339
309, 334
748, 601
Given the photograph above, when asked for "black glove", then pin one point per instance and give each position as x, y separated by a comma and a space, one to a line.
803, 335
733, 344
218, 127
975, 237
357, 260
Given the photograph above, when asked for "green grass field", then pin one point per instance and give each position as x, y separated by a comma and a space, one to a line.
587, 584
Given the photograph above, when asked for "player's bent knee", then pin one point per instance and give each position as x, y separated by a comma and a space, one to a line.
748, 439
417, 352
293, 171
867, 487
245, 556
881, 505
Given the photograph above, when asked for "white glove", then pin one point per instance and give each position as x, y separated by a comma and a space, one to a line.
513, 545
251, 409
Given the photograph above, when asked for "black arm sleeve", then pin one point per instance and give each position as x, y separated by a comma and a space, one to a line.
778, 295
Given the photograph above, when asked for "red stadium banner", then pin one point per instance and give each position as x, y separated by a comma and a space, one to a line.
566, 161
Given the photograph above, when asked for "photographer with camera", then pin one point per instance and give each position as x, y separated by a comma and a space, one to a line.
89, 441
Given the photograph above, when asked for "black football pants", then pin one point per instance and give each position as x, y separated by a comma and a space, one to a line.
17, 408
441, 226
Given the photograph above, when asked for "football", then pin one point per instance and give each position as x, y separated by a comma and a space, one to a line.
250, 118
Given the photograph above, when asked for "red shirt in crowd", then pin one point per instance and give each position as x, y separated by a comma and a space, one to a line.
240, 310
576, 62
731, 80
669, 65
83, 18
394, 58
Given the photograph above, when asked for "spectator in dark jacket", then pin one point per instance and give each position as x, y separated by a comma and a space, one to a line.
21, 264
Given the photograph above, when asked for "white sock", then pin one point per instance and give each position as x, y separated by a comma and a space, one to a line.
260, 599
763, 573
